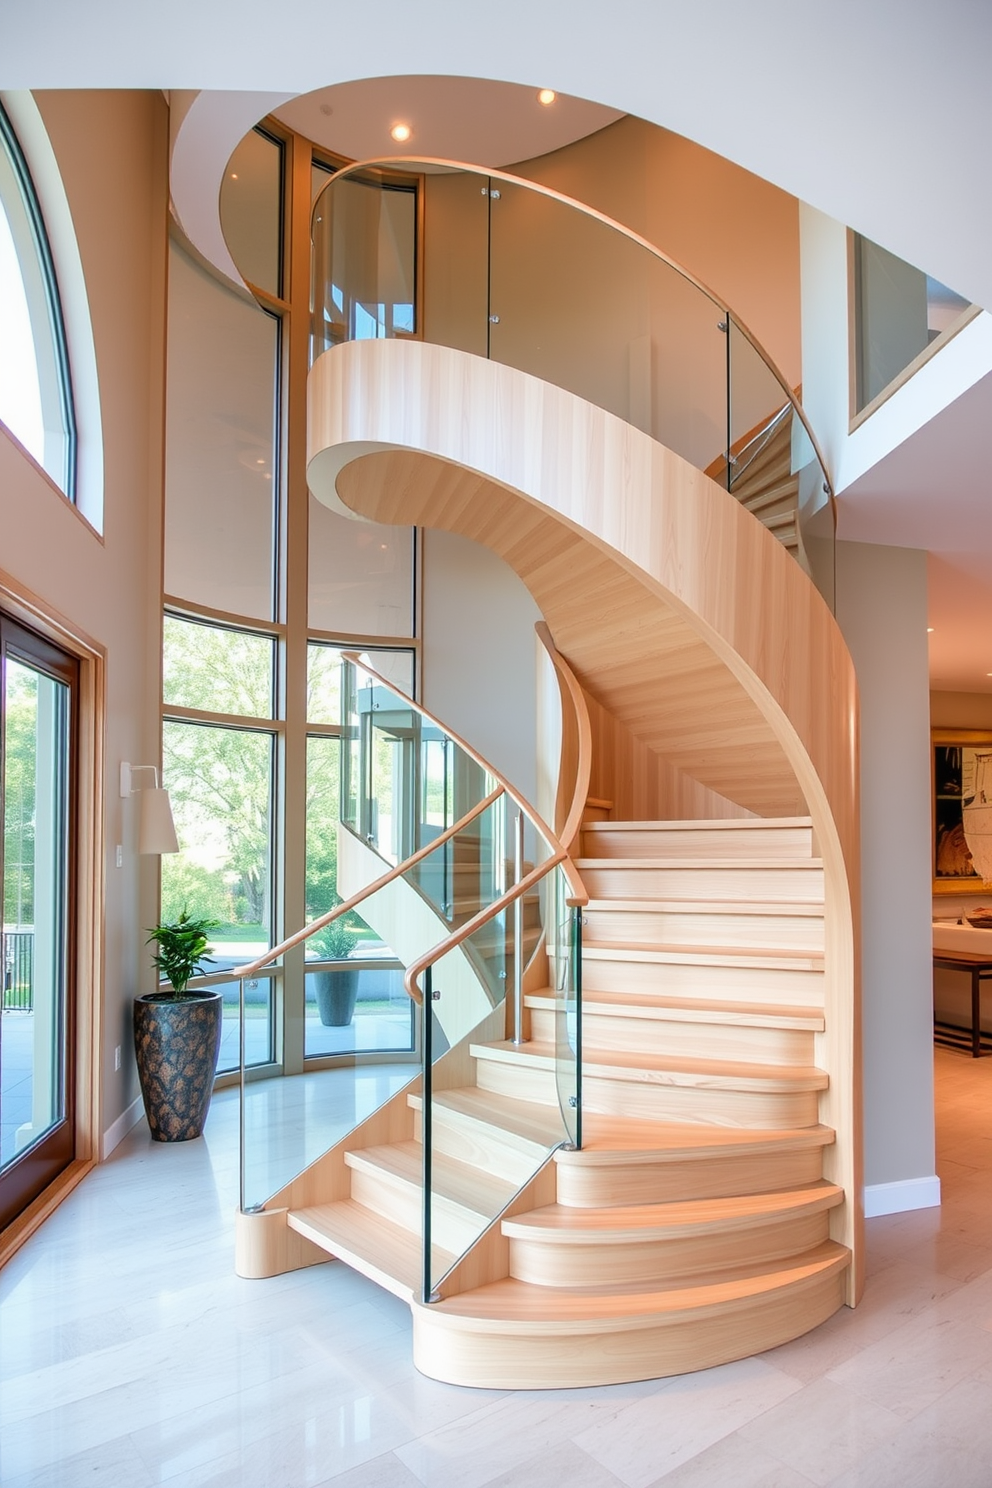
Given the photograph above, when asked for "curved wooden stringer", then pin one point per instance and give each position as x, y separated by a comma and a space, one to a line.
704, 647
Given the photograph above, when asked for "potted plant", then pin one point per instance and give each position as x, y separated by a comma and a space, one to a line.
177, 1032
336, 988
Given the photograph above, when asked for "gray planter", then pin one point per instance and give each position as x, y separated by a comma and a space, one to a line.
176, 1044
336, 993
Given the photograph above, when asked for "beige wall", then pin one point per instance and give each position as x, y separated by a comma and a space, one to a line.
882, 611
111, 148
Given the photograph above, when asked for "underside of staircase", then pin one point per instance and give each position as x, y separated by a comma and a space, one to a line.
694, 1225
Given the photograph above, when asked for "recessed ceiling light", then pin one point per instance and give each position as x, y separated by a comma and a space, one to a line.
546, 96
234, 175
929, 630
401, 133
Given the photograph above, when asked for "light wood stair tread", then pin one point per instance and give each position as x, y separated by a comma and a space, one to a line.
605, 1137
534, 1123
675, 905
705, 824
696, 864
641, 1223
384, 1252
765, 958
664, 1069
517, 1306
455, 1181
685, 1009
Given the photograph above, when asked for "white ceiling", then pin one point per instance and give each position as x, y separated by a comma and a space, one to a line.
473, 119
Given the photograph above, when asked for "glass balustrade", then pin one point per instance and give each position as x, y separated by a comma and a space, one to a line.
453, 871
505, 269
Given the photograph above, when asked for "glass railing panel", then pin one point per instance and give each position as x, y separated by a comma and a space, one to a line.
456, 267
364, 265
566, 966
357, 1007
512, 1103
589, 309
773, 467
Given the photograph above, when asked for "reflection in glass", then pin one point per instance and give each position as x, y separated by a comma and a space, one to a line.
215, 669
35, 854
364, 262
220, 783
360, 575
221, 470
251, 210
899, 311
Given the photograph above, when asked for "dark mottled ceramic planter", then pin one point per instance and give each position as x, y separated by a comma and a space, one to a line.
176, 1045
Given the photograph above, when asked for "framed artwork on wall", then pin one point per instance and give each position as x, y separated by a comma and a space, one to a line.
961, 762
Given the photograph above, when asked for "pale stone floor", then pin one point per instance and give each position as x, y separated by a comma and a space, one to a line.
130, 1355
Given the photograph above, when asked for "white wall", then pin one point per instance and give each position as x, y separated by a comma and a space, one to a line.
111, 149
479, 666
882, 611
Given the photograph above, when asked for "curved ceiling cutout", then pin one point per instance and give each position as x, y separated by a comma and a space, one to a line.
473, 119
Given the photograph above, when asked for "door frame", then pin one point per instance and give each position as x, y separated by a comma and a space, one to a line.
87, 954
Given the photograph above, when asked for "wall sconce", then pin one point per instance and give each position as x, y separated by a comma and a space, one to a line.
156, 829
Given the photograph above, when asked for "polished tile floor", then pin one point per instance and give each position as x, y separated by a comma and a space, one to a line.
131, 1355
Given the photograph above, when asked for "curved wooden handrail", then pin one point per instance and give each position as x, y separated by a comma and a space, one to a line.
578, 890
409, 165
583, 766
481, 918
369, 889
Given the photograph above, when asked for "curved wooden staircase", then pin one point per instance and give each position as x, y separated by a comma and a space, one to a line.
713, 1210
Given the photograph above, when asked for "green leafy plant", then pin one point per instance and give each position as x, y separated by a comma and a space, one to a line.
181, 947
336, 941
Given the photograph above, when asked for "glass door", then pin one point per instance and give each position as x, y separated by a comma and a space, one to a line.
38, 689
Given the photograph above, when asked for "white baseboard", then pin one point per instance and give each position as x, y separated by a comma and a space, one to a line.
897, 1198
120, 1128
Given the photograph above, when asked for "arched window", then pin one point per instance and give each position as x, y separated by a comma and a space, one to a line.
35, 390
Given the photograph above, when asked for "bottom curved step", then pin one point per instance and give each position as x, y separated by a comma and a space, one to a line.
511, 1335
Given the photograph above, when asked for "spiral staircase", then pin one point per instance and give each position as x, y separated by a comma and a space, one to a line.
707, 1204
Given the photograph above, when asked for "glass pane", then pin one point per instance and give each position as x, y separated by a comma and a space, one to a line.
32, 1033
220, 783
361, 575
217, 670
35, 392
899, 311
358, 1009
324, 677
251, 210
221, 474
566, 968
456, 261
259, 1047
364, 262
584, 307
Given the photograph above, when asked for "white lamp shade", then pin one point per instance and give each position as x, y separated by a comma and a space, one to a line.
156, 829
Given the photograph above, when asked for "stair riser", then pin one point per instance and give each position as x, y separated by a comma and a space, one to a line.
651, 881
760, 1110
614, 841
494, 1151
659, 927
784, 1046
598, 1185
652, 1101
560, 1359
452, 1228
790, 987
549, 1263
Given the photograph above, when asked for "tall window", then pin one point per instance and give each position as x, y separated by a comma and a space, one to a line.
35, 390
264, 586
